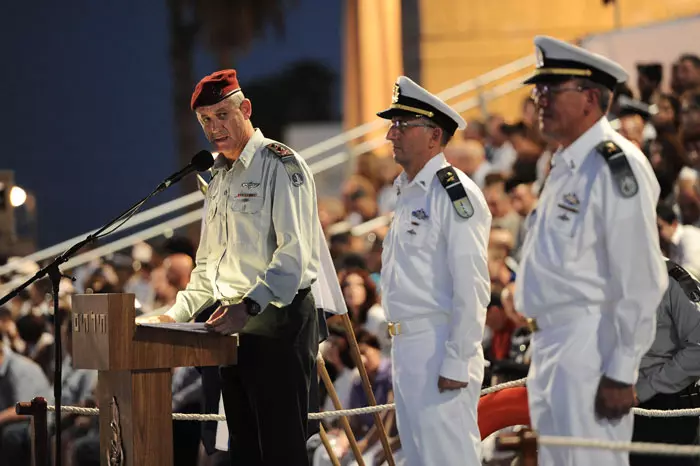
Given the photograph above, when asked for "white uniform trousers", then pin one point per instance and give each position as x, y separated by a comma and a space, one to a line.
567, 363
436, 429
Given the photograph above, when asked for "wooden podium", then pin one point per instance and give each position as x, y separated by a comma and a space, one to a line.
135, 375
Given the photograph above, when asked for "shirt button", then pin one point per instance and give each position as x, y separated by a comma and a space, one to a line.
226, 192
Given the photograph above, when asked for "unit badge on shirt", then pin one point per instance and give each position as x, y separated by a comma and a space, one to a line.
291, 164
419, 214
628, 186
570, 202
250, 185
571, 199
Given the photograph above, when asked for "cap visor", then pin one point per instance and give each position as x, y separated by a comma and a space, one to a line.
390, 113
547, 78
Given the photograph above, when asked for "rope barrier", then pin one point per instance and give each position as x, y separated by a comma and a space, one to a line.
378, 408
636, 447
670, 413
503, 386
221, 417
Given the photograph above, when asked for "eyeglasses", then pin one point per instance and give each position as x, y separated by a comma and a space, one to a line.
403, 125
548, 92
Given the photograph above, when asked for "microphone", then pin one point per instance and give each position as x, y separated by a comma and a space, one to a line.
202, 160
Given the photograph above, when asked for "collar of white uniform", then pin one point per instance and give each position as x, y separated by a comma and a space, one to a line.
676, 237
425, 175
574, 155
251, 147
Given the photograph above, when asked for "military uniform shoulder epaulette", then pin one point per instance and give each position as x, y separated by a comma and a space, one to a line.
458, 195
202, 184
619, 167
289, 160
685, 280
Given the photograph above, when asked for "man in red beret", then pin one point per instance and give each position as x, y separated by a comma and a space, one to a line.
257, 258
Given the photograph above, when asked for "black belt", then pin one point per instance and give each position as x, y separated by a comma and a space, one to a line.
688, 398
690, 395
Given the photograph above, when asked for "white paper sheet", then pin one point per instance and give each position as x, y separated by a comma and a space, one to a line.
192, 327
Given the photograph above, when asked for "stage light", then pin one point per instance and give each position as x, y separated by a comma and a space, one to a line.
17, 196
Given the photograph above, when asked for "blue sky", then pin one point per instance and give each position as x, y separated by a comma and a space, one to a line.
86, 85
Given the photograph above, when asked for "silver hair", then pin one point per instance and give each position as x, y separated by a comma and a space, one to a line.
605, 97
444, 137
236, 99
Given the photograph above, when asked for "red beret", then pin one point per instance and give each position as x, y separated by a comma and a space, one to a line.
214, 88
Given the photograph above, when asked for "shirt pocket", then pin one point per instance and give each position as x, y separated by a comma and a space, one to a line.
416, 236
211, 210
246, 219
564, 222
564, 228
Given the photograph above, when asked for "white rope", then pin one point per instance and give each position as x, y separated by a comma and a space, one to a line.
221, 417
378, 408
325, 414
670, 413
554, 441
503, 386
634, 447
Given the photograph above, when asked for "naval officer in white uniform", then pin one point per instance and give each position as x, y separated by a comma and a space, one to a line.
435, 285
591, 274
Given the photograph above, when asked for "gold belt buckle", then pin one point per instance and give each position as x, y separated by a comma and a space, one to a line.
394, 328
532, 324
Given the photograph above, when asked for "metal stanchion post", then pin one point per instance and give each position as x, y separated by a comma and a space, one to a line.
37, 409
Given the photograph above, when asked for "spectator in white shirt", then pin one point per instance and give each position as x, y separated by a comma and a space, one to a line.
470, 157
680, 242
502, 152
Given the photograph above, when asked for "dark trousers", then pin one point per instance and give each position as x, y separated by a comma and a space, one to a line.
186, 437
15, 447
675, 430
266, 395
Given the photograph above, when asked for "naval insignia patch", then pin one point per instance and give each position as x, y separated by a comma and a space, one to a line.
458, 195
539, 57
619, 167
291, 164
420, 214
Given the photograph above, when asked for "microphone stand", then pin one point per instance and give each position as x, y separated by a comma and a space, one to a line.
55, 275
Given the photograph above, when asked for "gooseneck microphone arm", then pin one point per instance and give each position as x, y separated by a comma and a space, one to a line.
203, 160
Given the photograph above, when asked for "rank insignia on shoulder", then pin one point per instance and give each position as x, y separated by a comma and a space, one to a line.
280, 149
458, 195
202, 184
619, 167
685, 280
291, 164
